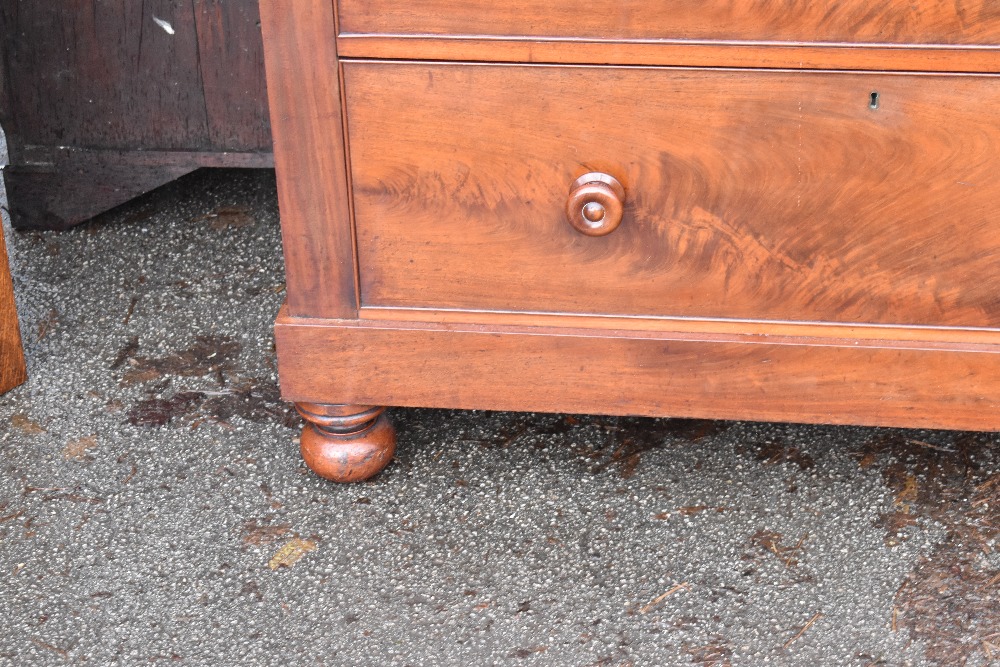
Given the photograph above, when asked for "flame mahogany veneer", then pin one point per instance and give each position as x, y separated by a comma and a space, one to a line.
725, 209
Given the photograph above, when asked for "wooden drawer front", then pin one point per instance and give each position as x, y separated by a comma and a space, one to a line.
851, 21
748, 194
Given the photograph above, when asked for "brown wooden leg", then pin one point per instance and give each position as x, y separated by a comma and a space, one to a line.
12, 371
346, 443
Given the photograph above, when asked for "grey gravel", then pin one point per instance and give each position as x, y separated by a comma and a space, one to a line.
493, 539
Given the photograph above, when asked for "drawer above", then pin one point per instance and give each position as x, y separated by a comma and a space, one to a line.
779, 196
961, 22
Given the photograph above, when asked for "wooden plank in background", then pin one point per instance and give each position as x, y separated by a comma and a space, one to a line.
104, 74
232, 72
97, 76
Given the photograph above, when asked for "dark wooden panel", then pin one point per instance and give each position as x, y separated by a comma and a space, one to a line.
860, 21
309, 154
56, 188
6, 95
232, 71
620, 372
12, 369
749, 194
58, 196
95, 73
105, 75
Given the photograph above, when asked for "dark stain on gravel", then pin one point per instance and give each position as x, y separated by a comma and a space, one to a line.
127, 352
213, 357
153, 412
208, 354
227, 217
251, 399
629, 438
717, 653
527, 652
772, 542
263, 531
950, 601
777, 451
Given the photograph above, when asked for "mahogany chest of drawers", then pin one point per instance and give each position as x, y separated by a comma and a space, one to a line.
734, 209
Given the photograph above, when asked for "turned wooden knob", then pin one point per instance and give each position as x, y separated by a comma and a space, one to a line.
595, 205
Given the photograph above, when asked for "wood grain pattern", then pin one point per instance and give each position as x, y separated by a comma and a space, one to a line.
103, 74
12, 368
309, 153
674, 53
637, 373
817, 333
231, 61
855, 21
109, 77
749, 194
798, 245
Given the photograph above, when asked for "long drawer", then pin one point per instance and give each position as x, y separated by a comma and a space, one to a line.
846, 21
759, 195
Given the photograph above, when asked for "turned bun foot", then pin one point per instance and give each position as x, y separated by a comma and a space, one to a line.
346, 443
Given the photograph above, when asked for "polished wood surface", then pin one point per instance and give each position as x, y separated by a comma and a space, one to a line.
854, 334
749, 194
807, 210
346, 443
310, 155
849, 21
12, 368
556, 369
674, 53
595, 204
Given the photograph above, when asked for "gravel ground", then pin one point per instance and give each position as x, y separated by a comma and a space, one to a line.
154, 509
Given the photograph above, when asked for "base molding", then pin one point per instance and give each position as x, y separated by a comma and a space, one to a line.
493, 366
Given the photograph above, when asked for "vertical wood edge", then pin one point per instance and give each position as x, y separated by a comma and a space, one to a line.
303, 84
350, 188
